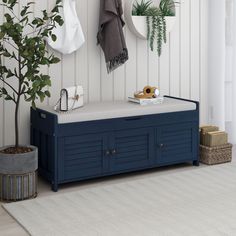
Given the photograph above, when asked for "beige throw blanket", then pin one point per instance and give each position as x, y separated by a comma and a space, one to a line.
110, 34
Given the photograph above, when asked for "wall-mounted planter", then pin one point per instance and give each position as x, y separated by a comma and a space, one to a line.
138, 24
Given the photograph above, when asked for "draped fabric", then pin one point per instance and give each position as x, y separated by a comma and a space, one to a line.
216, 62
110, 33
233, 75
70, 36
222, 65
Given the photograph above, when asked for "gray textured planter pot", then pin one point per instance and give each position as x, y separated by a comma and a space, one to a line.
18, 175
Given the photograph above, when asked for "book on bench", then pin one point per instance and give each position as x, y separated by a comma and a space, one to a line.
146, 101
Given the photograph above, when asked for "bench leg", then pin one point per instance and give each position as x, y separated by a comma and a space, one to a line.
196, 163
54, 187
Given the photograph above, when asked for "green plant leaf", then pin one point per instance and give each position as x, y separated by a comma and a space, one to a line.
24, 11
55, 9
140, 9
28, 99
167, 7
30, 3
6, 54
44, 61
12, 1
41, 95
4, 91
2, 34
8, 17
55, 60
9, 74
7, 25
8, 98
47, 93
33, 105
54, 37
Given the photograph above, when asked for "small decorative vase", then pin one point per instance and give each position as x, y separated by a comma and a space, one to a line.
18, 175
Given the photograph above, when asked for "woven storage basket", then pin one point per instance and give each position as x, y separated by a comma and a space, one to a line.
216, 155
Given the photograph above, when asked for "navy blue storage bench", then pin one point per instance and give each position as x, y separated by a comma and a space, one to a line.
111, 138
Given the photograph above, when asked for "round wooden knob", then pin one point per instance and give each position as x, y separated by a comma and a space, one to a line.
107, 153
113, 151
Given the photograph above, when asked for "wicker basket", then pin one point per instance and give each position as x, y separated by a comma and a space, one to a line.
216, 155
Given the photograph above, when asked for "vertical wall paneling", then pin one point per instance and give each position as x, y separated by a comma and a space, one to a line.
81, 54
94, 57
185, 48
195, 49
203, 15
180, 71
119, 84
228, 105
165, 68
68, 70
142, 64
153, 67
55, 71
131, 66
107, 82
175, 56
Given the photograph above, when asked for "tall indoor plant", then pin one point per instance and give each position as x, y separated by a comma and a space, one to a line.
23, 52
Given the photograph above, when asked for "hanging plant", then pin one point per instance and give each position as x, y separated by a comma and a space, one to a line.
156, 22
156, 28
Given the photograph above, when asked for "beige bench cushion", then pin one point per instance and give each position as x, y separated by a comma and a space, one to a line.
109, 110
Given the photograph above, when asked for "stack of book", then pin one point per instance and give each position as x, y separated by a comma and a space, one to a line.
146, 101
212, 137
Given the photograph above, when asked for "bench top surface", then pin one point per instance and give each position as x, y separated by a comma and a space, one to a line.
110, 110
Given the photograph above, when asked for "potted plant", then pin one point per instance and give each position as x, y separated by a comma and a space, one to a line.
23, 52
139, 16
151, 22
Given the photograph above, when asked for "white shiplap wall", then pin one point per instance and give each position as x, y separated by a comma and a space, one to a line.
180, 71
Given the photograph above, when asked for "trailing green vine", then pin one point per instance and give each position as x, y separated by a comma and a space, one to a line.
148, 26
164, 29
160, 33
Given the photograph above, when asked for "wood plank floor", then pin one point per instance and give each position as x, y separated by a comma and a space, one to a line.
9, 227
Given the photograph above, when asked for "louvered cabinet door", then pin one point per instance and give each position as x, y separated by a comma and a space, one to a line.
176, 143
82, 156
131, 149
